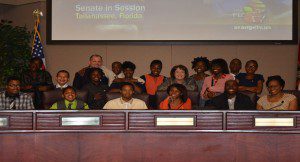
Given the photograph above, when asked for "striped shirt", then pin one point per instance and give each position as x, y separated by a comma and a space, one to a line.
22, 102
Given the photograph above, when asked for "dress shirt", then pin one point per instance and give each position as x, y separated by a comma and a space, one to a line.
119, 103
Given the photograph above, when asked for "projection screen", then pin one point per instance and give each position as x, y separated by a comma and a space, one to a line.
171, 20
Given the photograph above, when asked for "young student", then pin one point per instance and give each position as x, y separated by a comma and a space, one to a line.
62, 79
12, 98
116, 68
235, 66
200, 66
36, 80
250, 81
128, 71
153, 80
116, 72
126, 101
96, 89
69, 101
177, 99
215, 84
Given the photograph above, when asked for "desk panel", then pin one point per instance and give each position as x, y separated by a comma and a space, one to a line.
17, 120
202, 120
246, 120
53, 120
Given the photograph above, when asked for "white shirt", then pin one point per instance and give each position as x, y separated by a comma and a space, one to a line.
61, 87
233, 75
111, 76
107, 73
231, 103
119, 103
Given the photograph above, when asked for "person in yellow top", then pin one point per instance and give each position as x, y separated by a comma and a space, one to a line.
69, 102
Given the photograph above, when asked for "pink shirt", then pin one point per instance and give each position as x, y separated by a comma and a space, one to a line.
217, 86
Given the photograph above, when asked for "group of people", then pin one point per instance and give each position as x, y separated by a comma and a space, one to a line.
219, 86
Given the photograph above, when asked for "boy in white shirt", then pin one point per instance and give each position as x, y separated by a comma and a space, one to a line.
62, 79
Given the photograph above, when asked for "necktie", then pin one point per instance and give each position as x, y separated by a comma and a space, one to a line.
12, 104
70, 105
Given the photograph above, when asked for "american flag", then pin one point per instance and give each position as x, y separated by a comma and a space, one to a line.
37, 47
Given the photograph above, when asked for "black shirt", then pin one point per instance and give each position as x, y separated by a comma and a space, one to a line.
92, 90
83, 77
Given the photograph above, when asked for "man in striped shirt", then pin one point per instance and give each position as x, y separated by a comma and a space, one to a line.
12, 98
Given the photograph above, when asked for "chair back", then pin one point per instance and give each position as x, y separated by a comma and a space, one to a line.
251, 95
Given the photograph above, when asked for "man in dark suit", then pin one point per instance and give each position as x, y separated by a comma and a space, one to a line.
231, 99
82, 77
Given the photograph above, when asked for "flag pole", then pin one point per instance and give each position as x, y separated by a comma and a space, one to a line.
37, 47
36, 14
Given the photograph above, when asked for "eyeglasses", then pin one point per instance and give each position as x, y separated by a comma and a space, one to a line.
251, 66
14, 85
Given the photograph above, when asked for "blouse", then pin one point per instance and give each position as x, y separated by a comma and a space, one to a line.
217, 86
164, 105
282, 104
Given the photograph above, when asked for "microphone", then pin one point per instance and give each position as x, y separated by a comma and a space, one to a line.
212, 82
169, 101
282, 102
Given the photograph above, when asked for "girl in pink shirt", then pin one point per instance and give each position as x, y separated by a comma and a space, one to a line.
214, 85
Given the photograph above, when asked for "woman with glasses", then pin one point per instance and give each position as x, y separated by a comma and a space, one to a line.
276, 99
250, 81
179, 74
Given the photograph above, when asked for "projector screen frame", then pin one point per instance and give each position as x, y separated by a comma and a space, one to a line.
49, 39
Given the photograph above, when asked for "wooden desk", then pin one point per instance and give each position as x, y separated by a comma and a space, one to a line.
136, 136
